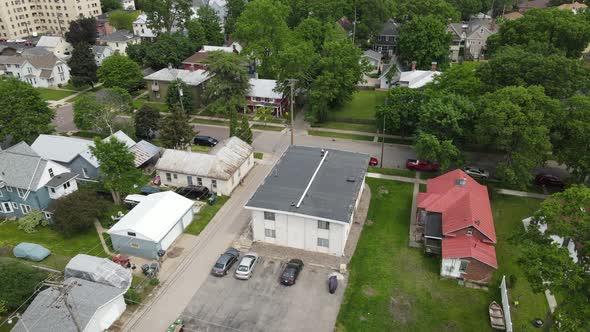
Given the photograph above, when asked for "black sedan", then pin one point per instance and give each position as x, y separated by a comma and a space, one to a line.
193, 192
549, 180
205, 140
225, 262
291, 272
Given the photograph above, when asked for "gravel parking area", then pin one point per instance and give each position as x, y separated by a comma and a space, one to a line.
262, 304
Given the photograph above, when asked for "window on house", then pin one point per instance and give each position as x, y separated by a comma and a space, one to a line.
199, 181
50, 172
168, 177
85, 172
323, 224
270, 233
14, 206
52, 190
157, 94
269, 215
47, 215
7, 207
25, 208
175, 176
21, 192
323, 242
67, 185
469, 231
189, 180
463, 266
214, 184
131, 234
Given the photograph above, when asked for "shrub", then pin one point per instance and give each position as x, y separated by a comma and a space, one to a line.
29, 222
76, 212
154, 282
19, 281
132, 297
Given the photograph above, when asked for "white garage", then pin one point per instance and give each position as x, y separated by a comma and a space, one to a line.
152, 225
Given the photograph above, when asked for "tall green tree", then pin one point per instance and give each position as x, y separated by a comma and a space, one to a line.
325, 11
515, 120
122, 20
558, 28
561, 77
211, 26
467, 8
244, 132
572, 139
136, 52
82, 65
448, 116
120, 71
196, 34
165, 15
19, 281
173, 96
176, 131
234, 128
147, 122
24, 115
234, 10
400, 112
117, 168
460, 79
226, 89
82, 30
406, 10
75, 213
169, 49
424, 39
88, 114
444, 152
115, 100
109, 5
263, 28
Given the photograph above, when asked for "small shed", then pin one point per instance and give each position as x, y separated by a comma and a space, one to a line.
152, 225
101, 270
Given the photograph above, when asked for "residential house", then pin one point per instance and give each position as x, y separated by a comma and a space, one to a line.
309, 199
152, 225
157, 83
562, 242
76, 305
141, 29
266, 93
387, 80
119, 40
575, 7
346, 26
29, 182
74, 153
103, 27
221, 169
101, 53
386, 41
199, 59
373, 58
455, 217
38, 70
414, 79
56, 45
471, 36
128, 4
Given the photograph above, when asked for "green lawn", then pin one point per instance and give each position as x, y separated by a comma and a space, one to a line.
50, 239
70, 86
339, 135
209, 121
368, 128
162, 107
199, 148
396, 288
362, 106
508, 214
393, 171
258, 155
270, 128
52, 94
205, 215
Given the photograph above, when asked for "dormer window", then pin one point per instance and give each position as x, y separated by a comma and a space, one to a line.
50, 172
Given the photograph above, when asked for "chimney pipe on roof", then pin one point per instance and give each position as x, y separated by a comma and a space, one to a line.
433, 66
413, 65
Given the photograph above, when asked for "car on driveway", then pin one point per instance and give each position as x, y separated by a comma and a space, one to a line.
373, 161
476, 172
246, 266
422, 165
193, 192
549, 180
205, 140
291, 272
225, 262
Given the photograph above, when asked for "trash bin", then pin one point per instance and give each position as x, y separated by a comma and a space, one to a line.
212, 199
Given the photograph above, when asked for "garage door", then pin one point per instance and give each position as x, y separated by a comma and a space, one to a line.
172, 235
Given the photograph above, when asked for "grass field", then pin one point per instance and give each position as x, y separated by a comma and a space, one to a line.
396, 288
51, 94
199, 148
339, 135
270, 128
393, 171
368, 128
362, 106
143, 101
258, 155
205, 215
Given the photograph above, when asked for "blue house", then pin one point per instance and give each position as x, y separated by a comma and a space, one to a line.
29, 182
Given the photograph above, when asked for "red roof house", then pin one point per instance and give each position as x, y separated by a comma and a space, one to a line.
456, 217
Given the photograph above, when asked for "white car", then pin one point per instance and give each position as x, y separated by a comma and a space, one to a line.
247, 265
477, 172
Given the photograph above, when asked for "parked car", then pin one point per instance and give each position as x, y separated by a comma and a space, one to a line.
246, 266
147, 190
225, 262
549, 180
132, 200
193, 192
205, 140
373, 161
291, 272
477, 172
422, 165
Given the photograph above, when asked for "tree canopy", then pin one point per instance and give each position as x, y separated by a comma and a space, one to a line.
82, 65
447, 116
122, 20
169, 49
120, 71
406, 10
176, 131
234, 10
460, 79
173, 96
19, 281
24, 115
76, 212
82, 30
166, 15
429, 147
109, 5
401, 110
211, 25
226, 89
117, 169
147, 122
424, 39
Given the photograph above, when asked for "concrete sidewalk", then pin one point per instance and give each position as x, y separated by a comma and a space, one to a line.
55, 103
396, 178
521, 193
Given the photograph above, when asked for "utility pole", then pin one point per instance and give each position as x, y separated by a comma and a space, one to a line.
180, 95
292, 84
382, 141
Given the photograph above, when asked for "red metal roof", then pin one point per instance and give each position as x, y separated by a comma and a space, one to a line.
469, 246
461, 206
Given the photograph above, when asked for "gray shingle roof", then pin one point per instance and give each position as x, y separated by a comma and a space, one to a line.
60, 148
331, 195
21, 167
119, 36
48, 312
143, 151
60, 179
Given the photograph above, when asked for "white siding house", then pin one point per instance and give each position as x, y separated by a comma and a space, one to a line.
221, 169
56, 45
309, 199
41, 71
119, 40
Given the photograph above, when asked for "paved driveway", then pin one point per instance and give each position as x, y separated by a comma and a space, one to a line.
262, 304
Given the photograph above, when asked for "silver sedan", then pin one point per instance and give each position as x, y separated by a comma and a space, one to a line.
246, 266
